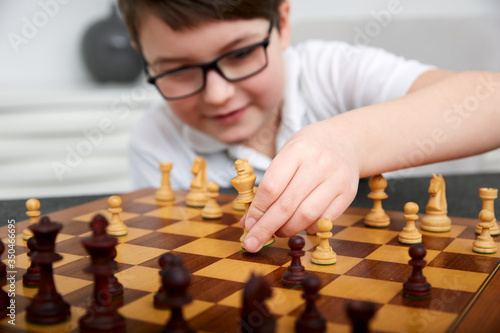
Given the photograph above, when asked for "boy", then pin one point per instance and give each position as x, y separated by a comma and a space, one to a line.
234, 89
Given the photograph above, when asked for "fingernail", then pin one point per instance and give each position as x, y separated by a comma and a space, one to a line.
249, 223
252, 244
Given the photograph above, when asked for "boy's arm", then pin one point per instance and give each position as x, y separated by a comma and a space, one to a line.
444, 116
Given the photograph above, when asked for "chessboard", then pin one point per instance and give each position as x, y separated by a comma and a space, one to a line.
371, 265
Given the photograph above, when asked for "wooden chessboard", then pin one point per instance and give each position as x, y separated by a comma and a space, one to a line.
371, 265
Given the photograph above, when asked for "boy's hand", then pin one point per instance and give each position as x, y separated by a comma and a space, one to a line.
314, 175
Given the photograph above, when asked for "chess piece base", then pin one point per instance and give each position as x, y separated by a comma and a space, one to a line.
421, 292
164, 196
324, 262
376, 219
196, 200
410, 237
92, 323
57, 311
117, 231
238, 206
436, 222
484, 246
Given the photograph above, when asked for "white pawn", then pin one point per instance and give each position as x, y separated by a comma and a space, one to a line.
33, 206
377, 218
484, 243
212, 210
116, 226
323, 254
165, 193
410, 234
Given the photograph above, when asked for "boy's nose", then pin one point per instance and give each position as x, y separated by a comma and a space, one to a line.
217, 89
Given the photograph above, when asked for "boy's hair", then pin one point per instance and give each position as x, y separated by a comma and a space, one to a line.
184, 14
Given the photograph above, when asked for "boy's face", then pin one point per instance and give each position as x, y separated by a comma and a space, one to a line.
231, 112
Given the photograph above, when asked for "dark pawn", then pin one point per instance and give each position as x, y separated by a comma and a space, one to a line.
360, 314
311, 321
295, 274
256, 291
102, 315
31, 278
175, 281
47, 306
161, 296
115, 287
417, 286
4, 297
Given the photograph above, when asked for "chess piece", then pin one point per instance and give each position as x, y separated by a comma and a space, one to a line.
33, 206
436, 218
488, 195
417, 286
295, 273
410, 234
360, 313
47, 306
257, 290
165, 261
323, 254
102, 315
116, 226
311, 321
484, 243
115, 287
244, 184
212, 210
175, 281
4, 297
31, 278
196, 197
377, 218
239, 206
165, 192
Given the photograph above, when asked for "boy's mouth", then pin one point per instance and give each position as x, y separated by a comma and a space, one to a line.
230, 117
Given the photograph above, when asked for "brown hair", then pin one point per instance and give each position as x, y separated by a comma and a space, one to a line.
183, 14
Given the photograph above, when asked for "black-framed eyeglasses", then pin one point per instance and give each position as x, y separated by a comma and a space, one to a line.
233, 66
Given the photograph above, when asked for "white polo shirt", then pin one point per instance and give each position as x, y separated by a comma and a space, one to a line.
323, 79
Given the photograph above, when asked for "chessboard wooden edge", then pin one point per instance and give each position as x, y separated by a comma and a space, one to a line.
472, 320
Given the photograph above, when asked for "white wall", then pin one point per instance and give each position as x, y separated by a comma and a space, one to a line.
46, 68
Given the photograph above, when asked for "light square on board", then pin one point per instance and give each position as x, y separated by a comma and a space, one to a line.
23, 261
144, 310
454, 279
395, 318
365, 289
211, 247
136, 254
397, 254
286, 324
124, 216
22, 325
175, 212
342, 265
464, 246
235, 270
346, 220
64, 285
192, 228
140, 278
366, 235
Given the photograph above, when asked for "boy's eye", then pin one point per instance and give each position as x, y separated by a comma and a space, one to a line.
241, 54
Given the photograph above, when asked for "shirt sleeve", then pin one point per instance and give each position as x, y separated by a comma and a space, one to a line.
336, 77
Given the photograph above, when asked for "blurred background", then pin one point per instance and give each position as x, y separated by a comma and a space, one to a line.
64, 131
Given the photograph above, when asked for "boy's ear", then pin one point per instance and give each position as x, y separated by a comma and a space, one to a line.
284, 20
